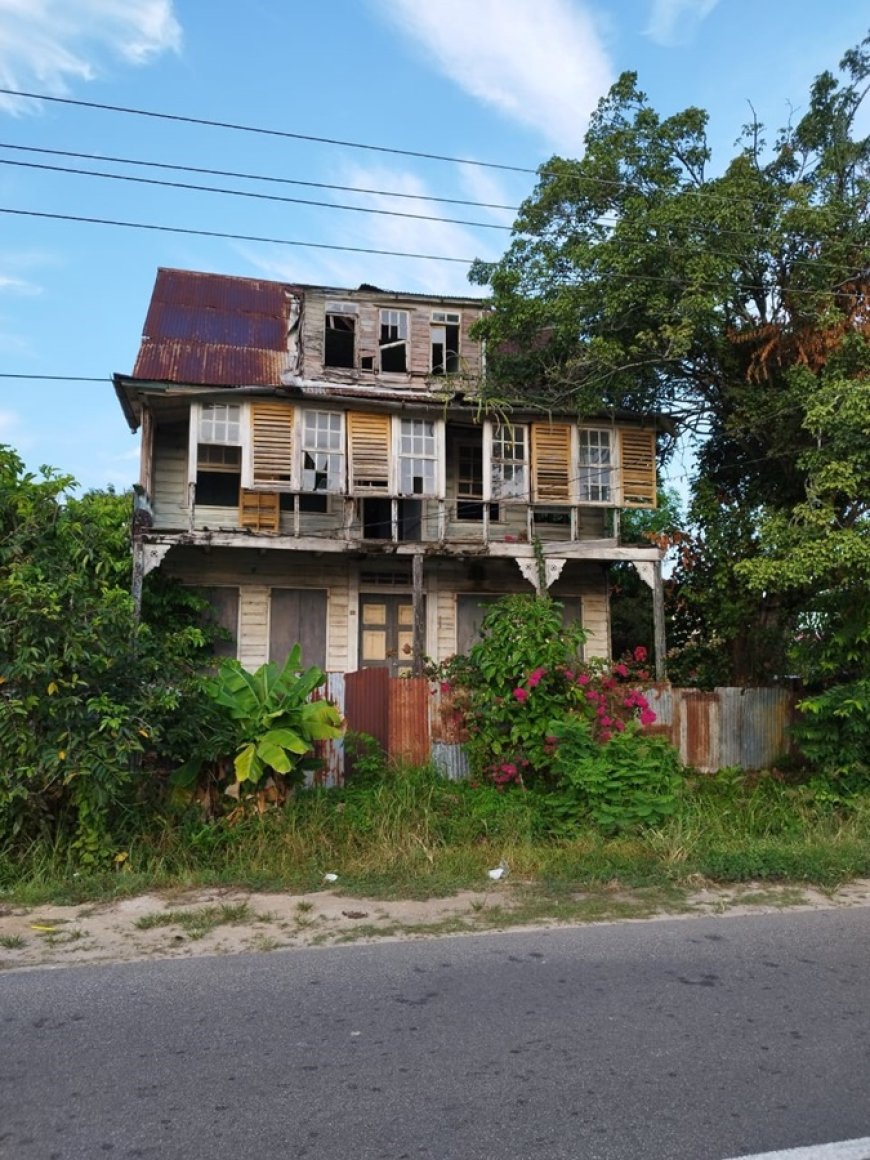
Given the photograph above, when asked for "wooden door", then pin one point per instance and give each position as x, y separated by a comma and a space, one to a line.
298, 616
386, 632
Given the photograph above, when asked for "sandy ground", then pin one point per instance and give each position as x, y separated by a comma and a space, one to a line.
224, 922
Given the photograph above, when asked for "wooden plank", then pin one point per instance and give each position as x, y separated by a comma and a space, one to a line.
298, 616
638, 463
551, 462
272, 443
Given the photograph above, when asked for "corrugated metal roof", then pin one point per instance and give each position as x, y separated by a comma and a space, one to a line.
215, 329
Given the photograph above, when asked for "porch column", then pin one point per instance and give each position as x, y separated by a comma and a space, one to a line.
419, 612
650, 571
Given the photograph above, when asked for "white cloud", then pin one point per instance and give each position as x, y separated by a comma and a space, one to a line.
45, 44
12, 285
540, 62
437, 238
10, 426
675, 21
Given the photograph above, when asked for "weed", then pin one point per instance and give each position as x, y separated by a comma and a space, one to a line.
11, 942
199, 922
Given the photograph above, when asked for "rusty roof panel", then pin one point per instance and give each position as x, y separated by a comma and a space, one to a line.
210, 364
208, 324
409, 719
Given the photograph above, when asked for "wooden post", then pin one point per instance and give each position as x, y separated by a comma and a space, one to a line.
419, 615
659, 623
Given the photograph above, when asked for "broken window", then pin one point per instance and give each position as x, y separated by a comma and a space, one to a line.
393, 341
469, 482
444, 342
219, 454
596, 466
339, 340
322, 452
510, 466
418, 457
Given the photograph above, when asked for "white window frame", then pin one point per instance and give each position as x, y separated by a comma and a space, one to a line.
336, 481
498, 492
440, 320
402, 320
597, 481
436, 457
240, 438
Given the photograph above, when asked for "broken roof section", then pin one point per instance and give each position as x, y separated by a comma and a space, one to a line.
216, 330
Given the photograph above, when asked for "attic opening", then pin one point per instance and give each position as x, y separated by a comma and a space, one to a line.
393, 341
444, 334
339, 340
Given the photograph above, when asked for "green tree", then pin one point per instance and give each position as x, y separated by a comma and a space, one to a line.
738, 304
91, 705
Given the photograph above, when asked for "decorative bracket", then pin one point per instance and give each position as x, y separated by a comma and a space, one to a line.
552, 570
153, 556
648, 572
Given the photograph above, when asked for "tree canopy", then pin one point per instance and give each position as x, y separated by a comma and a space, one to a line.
736, 302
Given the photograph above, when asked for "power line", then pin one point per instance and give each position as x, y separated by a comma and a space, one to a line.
746, 288
177, 117
260, 177
540, 172
66, 217
422, 217
60, 378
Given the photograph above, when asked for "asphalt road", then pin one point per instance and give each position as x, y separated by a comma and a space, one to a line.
690, 1039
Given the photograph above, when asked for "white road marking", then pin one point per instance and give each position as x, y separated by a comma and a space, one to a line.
844, 1150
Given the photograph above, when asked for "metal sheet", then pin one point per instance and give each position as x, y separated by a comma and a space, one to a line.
450, 760
409, 719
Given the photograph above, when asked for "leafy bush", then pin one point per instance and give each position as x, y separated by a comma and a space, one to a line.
833, 733
525, 673
269, 722
631, 781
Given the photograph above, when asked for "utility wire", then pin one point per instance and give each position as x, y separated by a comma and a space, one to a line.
260, 177
812, 263
746, 288
541, 172
422, 217
266, 132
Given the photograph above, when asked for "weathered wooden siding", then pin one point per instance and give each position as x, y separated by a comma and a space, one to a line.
169, 497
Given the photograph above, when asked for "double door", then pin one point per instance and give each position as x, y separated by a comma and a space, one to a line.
386, 632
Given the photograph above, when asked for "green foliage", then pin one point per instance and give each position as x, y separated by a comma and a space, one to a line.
632, 781
89, 701
736, 304
833, 733
272, 722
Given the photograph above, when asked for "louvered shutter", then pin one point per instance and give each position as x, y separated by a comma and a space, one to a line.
260, 511
638, 464
551, 462
369, 452
272, 445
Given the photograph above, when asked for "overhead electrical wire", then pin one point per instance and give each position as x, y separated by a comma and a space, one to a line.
420, 217
541, 171
260, 177
745, 287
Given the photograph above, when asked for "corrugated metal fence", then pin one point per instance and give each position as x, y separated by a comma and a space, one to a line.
412, 720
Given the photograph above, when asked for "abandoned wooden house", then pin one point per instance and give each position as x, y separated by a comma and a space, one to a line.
315, 460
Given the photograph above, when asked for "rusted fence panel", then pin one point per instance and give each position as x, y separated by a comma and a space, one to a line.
416, 722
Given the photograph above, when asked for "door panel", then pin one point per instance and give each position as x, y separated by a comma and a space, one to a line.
298, 616
387, 632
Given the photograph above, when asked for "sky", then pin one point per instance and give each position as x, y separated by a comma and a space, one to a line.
495, 82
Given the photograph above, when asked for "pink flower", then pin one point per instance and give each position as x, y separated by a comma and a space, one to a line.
521, 695
583, 679
605, 722
640, 654
508, 767
647, 717
609, 683
445, 686
618, 725
605, 736
620, 670
535, 678
591, 695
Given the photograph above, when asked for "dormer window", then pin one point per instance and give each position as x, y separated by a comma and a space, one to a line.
444, 348
393, 341
339, 339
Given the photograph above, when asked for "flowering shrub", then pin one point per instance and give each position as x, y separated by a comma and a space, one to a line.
523, 675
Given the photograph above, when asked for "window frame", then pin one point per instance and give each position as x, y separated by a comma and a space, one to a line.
237, 439
339, 478
442, 320
587, 471
403, 319
492, 460
335, 309
436, 457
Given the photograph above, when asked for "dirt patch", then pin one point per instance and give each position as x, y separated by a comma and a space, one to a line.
225, 922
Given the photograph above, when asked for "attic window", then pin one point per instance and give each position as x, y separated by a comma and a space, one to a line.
339, 340
220, 423
444, 352
393, 341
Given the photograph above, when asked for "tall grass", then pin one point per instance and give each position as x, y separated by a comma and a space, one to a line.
410, 833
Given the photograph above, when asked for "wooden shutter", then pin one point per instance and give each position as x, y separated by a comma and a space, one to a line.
638, 463
260, 511
369, 445
551, 462
272, 444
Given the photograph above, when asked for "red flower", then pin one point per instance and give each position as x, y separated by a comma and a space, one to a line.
640, 654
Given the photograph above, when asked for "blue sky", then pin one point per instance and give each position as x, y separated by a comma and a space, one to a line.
506, 81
